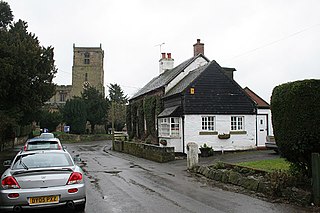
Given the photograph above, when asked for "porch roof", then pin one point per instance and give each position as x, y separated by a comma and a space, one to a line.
170, 112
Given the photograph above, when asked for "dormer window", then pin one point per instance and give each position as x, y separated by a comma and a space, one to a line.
86, 58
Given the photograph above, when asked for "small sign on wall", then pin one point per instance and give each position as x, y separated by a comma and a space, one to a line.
192, 90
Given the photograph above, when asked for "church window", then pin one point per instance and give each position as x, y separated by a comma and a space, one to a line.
86, 58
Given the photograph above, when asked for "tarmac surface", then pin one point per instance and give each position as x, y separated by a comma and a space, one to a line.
117, 182
227, 157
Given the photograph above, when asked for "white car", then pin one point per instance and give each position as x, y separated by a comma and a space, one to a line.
42, 143
42, 179
46, 135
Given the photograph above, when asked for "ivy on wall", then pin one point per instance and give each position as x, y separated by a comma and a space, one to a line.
142, 117
129, 121
149, 111
159, 105
134, 119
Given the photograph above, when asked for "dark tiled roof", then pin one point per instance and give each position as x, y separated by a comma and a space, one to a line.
257, 99
186, 81
165, 77
214, 93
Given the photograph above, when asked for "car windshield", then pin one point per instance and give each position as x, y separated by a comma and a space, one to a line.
37, 145
42, 160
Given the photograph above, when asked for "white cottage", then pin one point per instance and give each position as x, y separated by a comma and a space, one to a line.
203, 104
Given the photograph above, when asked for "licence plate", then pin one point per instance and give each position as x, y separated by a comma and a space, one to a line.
44, 200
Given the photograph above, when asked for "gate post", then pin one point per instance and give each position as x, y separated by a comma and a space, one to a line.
316, 178
192, 155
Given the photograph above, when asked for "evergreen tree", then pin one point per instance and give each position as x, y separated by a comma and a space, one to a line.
50, 120
75, 115
27, 70
119, 101
96, 106
116, 94
6, 16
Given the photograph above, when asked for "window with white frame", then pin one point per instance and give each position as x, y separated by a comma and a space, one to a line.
237, 123
164, 129
208, 123
174, 124
169, 127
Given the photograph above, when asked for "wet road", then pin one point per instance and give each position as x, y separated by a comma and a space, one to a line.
119, 183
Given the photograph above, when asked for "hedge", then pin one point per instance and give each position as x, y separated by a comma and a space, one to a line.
295, 108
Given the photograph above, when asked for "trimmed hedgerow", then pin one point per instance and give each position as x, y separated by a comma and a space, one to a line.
295, 111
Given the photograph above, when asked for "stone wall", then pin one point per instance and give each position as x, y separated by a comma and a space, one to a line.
76, 138
257, 181
147, 151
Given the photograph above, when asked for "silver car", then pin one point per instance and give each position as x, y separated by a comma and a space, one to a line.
41, 179
42, 143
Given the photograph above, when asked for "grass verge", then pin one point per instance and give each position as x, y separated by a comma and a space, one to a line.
271, 165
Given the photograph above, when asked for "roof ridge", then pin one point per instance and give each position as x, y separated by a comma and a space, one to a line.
166, 77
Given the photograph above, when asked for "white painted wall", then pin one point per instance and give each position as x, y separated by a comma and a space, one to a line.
165, 64
223, 125
195, 64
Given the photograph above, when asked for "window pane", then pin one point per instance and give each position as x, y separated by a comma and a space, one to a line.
174, 127
237, 122
207, 123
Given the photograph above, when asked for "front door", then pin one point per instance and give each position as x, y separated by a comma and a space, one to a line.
262, 129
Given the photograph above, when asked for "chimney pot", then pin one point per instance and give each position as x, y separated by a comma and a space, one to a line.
163, 55
169, 55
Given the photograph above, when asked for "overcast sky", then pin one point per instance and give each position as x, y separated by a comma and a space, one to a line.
269, 42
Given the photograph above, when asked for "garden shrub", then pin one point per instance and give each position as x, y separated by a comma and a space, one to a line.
295, 108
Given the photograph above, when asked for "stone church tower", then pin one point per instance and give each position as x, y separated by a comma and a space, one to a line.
87, 69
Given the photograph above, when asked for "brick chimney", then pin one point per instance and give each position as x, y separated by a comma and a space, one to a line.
166, 62
198, 48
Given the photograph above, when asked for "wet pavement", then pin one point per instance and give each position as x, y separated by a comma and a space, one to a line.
117, 182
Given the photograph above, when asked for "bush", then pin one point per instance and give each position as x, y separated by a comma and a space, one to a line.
295, 111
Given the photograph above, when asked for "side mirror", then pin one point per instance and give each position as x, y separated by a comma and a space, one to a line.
7, 163
64, 147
